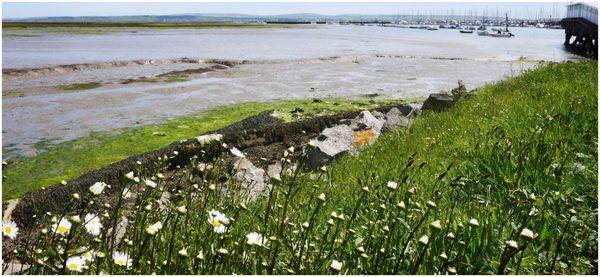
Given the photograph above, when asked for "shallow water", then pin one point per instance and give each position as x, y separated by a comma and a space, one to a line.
268, 44
285, 64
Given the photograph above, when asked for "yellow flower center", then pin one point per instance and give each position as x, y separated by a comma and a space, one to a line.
216, 223
62, 229
73, 266
8, 229
86, 255
121, 262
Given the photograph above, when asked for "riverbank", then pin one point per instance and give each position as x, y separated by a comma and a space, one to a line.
503, 182
67, 160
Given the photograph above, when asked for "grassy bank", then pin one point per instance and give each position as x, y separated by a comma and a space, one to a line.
106, 27
71, 159
504, 182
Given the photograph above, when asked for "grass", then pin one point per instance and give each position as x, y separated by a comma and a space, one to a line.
80, 86
68, 160
505, 182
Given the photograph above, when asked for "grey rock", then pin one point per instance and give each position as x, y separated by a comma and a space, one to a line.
366, 120
396, 119
253, 182
379, 115
331, 143
438, 102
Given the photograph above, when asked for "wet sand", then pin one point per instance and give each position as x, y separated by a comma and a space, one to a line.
35, 109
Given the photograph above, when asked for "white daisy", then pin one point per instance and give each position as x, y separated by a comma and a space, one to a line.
97, 188
473, 222
392, 185
76, 263
121, 259
62, 227
528, 234
10, 229
218, 220
149, 183
183, 252
126, 193
512, 244
335, 265
255, 238
424, 240
237, 152
436, 225
92, 224
154, 228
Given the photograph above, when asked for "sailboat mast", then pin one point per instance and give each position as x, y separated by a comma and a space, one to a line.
506, 22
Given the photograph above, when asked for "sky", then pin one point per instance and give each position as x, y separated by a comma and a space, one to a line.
11, 10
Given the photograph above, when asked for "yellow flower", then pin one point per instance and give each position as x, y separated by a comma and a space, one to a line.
218, 220
63, 227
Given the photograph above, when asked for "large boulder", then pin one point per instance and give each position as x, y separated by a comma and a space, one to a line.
396, 119
365, 120
438, 102
331, 143
252, 179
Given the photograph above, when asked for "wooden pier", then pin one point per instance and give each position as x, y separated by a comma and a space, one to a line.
581, 29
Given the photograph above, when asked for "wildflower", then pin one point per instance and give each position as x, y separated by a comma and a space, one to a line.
424, 240
533, 211
330, 222
237, 152
321, 197
223, 251
436, 225
160, 176
75, 219
212, 187
10, 229
76, 196
255, 238
452, 270
121, 259
512, 244
392, 185
364, 255
305, 225
62, 227
528, 234
473, 222
92, 224
148, 207
88, 256
581, 155
334, 214
183, 252
97, 188
200, 255
182, 209
450, 235
335, 265
126, 193
154, 228
149, 183
361, 249
311, 143
578, 167
365, 189
401, 205
431, 204
75, 263
386, 228
63, 182
218, 220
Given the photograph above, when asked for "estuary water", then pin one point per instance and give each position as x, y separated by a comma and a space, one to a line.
290, 63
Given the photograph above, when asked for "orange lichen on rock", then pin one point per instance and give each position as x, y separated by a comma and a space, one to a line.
363, 137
